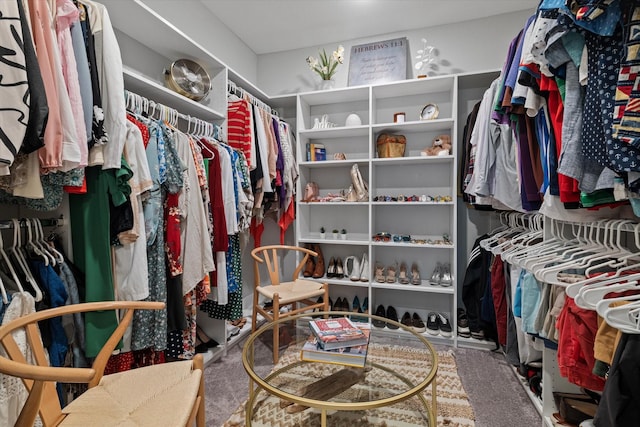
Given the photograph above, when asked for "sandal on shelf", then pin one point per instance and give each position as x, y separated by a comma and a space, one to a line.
379, 273
415, 275
402, 276
391, 273
445, 276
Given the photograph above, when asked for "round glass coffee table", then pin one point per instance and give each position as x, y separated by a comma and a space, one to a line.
391, 387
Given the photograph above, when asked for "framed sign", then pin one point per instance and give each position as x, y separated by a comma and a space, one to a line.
378, 62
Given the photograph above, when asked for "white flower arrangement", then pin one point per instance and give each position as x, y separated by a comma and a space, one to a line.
326, 66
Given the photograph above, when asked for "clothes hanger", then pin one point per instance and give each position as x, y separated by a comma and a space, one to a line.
38, 240
576, 260
16, 250
56, 254
12, 271
30, 244
589, 298
625, 317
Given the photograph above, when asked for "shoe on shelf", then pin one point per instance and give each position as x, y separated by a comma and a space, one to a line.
444, 326
479, 334
310, 265
331, 268
415, 275
318, 271
379, 273
406, 320
463, 324
352, 270
365, 305
436, 275
339, 269
391, 273
445, 275
392, 314
433, 324
364, 268
402, 275
418, 324
380, 312
357, 308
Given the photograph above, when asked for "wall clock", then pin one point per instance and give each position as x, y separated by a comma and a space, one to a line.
429, 112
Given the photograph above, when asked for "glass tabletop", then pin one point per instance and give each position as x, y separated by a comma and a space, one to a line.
398, 366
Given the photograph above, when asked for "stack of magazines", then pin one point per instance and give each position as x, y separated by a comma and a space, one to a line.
337, 340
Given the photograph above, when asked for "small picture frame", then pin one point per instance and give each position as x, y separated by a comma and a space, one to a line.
399, 117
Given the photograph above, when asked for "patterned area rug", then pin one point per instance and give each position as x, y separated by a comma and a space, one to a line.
454, 409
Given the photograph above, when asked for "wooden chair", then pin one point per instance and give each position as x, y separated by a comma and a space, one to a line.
298, 290
168, 394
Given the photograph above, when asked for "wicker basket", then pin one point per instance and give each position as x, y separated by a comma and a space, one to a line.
390, 145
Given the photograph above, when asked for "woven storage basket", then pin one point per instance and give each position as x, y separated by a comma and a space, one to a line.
390, 145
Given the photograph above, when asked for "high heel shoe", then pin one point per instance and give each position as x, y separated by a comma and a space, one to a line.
352, 273
364, 268
379, 273
365, 305
311, 192
331, 268
402, 276
445, 276
415, 275
318, 271
435, 276
391, 273
359, 185
356, 308
339, 269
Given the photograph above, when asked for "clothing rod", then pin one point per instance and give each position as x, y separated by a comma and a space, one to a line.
140, 104
234, 89
7, 224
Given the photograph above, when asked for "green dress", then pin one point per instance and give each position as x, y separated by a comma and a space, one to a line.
90, 233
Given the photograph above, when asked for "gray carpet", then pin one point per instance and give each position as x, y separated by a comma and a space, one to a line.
494, 391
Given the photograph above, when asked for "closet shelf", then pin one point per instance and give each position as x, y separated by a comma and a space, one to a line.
159, 35
435, 339
335, 132
413, 160
413, 204
144, 86
349, 241
412, 245
412, 87
332, 163
476, 344
424, 287
414, 126
339, 282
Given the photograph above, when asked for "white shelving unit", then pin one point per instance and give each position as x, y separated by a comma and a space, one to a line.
410, 175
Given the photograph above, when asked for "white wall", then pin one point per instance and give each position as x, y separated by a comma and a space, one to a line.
476, 45
196, 21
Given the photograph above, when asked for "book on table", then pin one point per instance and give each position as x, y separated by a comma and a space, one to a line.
354, 356
337, 333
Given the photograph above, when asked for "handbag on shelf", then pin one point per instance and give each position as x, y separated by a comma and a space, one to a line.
388, 145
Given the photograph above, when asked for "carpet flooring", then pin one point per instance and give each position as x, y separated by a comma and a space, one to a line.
493, 390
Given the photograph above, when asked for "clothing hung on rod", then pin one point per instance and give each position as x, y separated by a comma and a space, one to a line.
540, 138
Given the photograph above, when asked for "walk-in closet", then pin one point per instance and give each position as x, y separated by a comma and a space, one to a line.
191, 190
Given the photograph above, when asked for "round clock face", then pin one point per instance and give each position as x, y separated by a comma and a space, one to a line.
429, 112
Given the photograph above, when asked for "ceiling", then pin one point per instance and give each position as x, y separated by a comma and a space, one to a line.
268, 26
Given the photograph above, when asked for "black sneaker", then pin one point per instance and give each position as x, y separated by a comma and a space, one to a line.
479, 334
433, 324
444, 326
380, 311
463, 324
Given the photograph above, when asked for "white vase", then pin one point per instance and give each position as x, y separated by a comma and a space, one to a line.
353, 120
335, 236
323, 235
343, 236
327, 84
